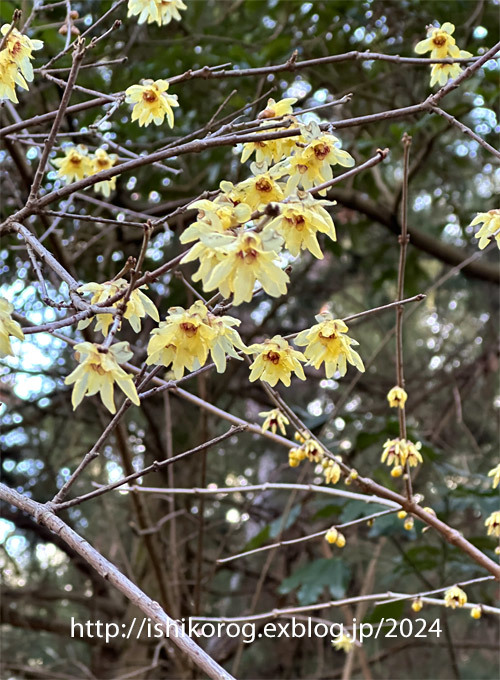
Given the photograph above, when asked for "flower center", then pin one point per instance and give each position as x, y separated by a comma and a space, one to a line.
302, 169
263, 185
103, 163
439, 40
16, 48
98, 369
273, 357
149, 96
189, 329
296, 221
75, 160
321, 151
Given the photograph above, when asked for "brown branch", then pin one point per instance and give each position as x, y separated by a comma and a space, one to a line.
466, 130
108, 571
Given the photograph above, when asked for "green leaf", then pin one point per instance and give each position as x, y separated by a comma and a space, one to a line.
391, 610
311, 578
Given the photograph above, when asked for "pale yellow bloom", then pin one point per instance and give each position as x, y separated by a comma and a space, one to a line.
225, 341
215, 217
300, 219
184, 339
101, 160
495, 473
476, 612
441, 73
295, 456
492, 523
491, 225
275, 361
19, 48
8, 327
75, 165
161, 11
455, 597
331, 471
417, 604
345, 643
327, 342
334, 537
247, 259
256, 191
10, 76
274, 419
138, 306
151, 102
98, 371
273, 150
397, 397
398, 452
439, 42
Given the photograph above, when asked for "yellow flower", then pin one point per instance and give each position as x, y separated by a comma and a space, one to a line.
334, 537
152, 103
9, 77
274, 419
8, 327
476, 612
417, 604
98, 371
75, 165
256, 191
397, 471
275, 360
493, 524
101, 160
455, 597
183, 339
402, 514
495, 473
272, 150
225, 340
408, 525
137, 307
326, 342
314, 451
215, 217
331, 471
296, 456
491, 225
19, 48
301, 217
397, 397
344, 643
439, 42
398, 452
441, 73
161, 11
247, 258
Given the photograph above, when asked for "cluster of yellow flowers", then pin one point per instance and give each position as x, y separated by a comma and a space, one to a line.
151, 102
398, 452
15, 62
492, 523
441, 44
490, 229
77, 163
8, 327
186, 337
235, 251
334, 537
160, 11
313, 451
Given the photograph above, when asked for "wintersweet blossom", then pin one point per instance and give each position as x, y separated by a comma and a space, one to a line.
439, 42
275, 360
300, 219
186, 337
101, 160
273, 150
344, 643
8, 327
274, 419
215, 217
247, 258
161, 11
495, 473
397, 397
327, 342
19, 47
441, 73
138, 305
476, 612
334, 537
75, 165
490, 228
455, 597
10, 76
151, 102
398, 452
98, 371
492, 523
256, 191
417, 604
331, 471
